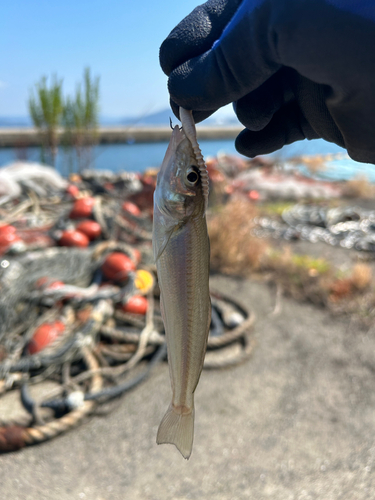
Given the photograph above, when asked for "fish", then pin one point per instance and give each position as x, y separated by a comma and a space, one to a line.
182, 254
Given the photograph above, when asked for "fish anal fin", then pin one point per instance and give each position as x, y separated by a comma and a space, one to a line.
177, 427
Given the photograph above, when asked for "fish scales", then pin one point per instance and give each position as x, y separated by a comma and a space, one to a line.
184, 285
181, 250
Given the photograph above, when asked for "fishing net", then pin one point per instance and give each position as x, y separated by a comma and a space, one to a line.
68, 340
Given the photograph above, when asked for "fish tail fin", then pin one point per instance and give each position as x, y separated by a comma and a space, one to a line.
177, 427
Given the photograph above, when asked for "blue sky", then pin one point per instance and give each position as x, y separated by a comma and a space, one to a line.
119, 40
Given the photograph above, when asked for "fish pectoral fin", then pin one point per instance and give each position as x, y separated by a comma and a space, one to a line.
162, 243
177, 428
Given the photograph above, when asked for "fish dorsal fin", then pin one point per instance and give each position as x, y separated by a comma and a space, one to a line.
188, 126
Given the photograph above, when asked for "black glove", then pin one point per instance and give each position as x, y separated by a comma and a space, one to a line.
294, 69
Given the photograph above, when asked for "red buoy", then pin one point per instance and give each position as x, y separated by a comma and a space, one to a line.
73, 239
253, 195
132, 208
73, 190
45, 283
90, 228
7, 229
8, 238
82, 208
44, 335
136, 305
117, 266
56, 285
137, 256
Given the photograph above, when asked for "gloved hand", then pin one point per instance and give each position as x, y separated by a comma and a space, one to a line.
294, 69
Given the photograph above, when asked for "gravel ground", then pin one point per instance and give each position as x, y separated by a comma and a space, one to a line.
296, 422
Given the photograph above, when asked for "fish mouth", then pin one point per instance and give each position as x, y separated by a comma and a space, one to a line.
177, 137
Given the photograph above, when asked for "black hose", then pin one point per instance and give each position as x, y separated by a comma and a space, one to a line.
63, 406
118, 390
27, 402
35, 362
216, 326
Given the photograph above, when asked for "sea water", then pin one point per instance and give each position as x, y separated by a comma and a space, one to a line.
139, 157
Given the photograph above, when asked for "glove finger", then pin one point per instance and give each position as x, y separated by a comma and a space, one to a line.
196, 33
257, 108
288, 125
234, 67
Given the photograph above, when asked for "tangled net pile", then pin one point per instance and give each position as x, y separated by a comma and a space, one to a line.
348, 227
65, 311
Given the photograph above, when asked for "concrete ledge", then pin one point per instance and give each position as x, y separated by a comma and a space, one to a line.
18, 137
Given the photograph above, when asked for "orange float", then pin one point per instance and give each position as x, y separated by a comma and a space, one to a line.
143, 281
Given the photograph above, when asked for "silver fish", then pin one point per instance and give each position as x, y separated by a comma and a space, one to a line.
182, 255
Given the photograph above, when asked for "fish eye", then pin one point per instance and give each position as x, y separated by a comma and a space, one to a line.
192, 175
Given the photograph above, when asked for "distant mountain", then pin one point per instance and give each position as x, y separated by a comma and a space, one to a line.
15, 121
158, 118
224, 116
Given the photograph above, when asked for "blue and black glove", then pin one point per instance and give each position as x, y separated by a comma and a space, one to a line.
294, 69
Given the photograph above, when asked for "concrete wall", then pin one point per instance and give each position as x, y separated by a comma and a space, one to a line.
15, 137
